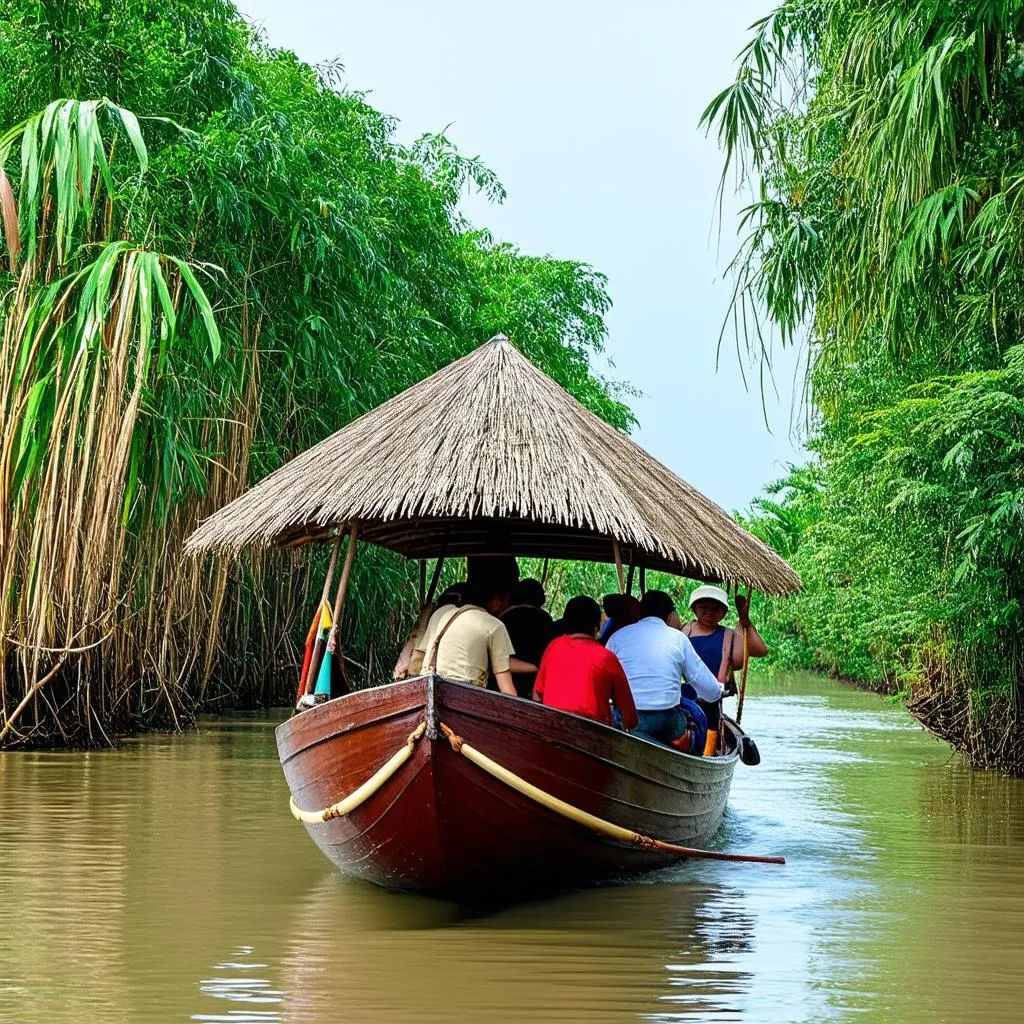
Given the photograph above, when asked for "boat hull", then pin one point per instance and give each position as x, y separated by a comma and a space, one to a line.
441, 824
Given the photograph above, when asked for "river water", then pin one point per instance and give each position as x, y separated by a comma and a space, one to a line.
166, 881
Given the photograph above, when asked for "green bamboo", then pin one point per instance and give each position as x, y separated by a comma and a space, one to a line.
213, 258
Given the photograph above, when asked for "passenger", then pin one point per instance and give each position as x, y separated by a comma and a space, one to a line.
719, 648
620, 610
577, 674
656, 656
467, 642
410, 659
454, 594
530, 629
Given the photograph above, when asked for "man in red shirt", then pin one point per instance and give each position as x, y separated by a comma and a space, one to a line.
578, 674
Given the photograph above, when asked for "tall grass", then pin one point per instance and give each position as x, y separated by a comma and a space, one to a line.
90, 330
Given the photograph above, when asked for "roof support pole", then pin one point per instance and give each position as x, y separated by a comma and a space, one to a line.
643, 579
432, 589
630, 573
339, 597
329, 578
618, 565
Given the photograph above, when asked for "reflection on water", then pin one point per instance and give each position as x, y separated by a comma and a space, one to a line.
240, 983
166, 881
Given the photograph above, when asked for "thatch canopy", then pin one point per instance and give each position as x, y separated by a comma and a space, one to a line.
490, 455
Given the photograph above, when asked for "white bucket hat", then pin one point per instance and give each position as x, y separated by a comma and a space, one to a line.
709, 594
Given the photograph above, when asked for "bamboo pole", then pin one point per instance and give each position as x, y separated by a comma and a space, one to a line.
323, 650
329, 578
432, 589
308, 672
346, 571
618, 565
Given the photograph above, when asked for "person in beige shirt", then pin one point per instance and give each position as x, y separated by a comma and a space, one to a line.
468, 642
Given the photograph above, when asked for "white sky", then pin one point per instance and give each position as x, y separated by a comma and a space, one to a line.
588, 112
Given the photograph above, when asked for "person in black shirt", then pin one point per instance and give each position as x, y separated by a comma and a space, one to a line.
529, 628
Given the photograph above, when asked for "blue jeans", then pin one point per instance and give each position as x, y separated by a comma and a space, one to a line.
661, 726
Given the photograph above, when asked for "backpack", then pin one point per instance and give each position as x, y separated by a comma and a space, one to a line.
692, 741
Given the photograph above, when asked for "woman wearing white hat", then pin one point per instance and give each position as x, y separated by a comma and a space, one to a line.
720, 648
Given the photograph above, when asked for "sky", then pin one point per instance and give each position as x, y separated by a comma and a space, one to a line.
587, 110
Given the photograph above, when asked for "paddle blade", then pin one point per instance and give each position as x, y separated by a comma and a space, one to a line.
323, 678
307, 656
315, 662
749, 754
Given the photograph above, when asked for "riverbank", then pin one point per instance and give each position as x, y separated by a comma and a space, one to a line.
963, 694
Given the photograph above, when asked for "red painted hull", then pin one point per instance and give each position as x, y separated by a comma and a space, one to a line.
441, 824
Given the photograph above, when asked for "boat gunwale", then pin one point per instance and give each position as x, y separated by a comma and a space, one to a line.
284, 733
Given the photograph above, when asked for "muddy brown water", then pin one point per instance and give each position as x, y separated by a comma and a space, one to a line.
165, 881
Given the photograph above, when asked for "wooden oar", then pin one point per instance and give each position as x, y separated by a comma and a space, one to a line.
746, 665
591, 821
689, 851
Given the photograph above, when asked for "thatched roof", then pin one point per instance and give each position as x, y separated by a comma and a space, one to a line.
490, 455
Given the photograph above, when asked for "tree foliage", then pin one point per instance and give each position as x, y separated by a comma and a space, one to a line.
215, 255
885, 146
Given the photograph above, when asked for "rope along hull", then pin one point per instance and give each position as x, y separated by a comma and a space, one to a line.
433, 821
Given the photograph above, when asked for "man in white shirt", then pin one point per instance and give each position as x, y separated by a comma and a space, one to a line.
656, 657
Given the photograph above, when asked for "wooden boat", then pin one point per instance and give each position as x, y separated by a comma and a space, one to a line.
443, 825
439, 786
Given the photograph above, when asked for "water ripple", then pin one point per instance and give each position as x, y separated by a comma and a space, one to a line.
237, 987
166, 881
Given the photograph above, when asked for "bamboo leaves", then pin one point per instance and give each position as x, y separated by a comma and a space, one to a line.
32, 434
60, 147
131, 126
889, 227
200, 299
64, 160
69, 322
899, 99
